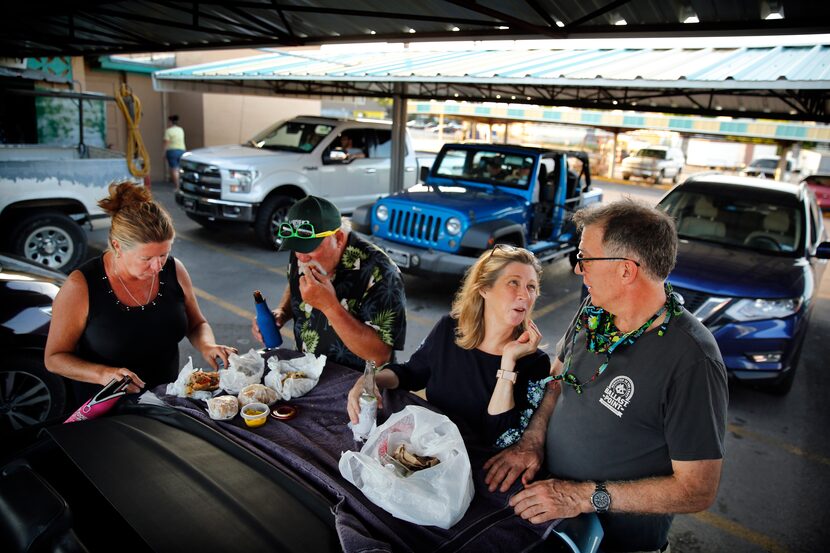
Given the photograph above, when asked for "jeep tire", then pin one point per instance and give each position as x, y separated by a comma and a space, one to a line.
51, 239
272, 212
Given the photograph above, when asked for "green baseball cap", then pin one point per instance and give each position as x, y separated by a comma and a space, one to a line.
322, 216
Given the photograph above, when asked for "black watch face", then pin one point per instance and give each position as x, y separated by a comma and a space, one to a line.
601, 500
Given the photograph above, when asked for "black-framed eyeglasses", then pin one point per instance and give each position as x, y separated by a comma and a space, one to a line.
303, 230
580, 260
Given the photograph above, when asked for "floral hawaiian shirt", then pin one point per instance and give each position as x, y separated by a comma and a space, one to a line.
369, 285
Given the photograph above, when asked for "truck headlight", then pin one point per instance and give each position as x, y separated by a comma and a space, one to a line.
759, 309
382, 213
453, 226
243, 180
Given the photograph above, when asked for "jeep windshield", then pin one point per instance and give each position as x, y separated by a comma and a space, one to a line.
291, 136
485, 166
736, 221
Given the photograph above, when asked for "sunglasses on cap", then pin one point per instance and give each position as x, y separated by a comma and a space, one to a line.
304, 231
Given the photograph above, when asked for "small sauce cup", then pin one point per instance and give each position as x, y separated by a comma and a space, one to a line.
255, 414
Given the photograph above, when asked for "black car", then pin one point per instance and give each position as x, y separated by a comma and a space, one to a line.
29, 394
157, 474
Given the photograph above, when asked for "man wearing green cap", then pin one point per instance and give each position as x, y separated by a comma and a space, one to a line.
345, 295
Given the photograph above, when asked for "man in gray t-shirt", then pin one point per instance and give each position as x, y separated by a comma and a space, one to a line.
633, 425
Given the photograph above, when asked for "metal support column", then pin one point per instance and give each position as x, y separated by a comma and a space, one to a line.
396, 175
612, 167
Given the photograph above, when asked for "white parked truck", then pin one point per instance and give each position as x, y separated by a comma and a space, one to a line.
256, 182
47, 193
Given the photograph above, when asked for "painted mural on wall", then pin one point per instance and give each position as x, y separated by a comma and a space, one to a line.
58, 122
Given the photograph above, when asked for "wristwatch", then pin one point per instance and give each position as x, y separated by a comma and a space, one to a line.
507, 375
601, 499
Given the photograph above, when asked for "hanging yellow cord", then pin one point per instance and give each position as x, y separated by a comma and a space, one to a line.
135, 144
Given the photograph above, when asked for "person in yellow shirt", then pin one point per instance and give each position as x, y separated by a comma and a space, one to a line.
174, 147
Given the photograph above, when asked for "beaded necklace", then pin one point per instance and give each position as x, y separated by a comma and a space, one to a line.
124, 286
602, 336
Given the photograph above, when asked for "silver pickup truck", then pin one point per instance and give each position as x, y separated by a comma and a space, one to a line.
345, 161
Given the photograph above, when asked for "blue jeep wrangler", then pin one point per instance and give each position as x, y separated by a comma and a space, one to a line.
479, 195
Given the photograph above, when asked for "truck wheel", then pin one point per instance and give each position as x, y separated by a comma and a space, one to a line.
626, 176
676, 177
271, 213
29, 394
51, 239
659, 178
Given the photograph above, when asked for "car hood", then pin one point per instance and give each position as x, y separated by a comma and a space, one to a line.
476, 203
735, 272
239, 155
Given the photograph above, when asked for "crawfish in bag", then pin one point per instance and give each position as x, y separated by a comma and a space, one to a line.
415, 466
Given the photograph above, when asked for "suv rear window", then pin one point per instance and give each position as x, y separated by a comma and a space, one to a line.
736, 220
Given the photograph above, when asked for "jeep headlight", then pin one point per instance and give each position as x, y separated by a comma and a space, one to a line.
382, 213
453, 226
759, 309
243, 180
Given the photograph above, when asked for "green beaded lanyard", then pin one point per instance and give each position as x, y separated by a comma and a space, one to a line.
601, 336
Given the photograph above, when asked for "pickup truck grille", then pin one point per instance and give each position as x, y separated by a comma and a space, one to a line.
415, 228
200, 179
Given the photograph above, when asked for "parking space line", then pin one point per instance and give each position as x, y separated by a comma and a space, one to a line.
229, 253
539, 313
795, 450
731, 527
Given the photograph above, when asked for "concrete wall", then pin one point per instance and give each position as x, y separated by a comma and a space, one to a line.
233, 119
189, 106
151, 124
230, 118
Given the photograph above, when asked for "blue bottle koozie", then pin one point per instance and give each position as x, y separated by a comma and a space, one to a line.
266, 323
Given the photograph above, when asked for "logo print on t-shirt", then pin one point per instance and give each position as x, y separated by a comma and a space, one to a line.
618, 394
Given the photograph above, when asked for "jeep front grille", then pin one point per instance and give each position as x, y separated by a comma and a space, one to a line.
415, 228
200, 179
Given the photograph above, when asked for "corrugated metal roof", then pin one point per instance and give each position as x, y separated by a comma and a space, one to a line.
775, 82
780, 67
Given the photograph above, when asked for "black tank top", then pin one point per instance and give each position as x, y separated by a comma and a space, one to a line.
142, 339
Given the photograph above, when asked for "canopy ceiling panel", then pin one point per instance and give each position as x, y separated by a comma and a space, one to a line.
791, 82
40, 28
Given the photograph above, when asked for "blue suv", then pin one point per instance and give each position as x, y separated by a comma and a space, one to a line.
751, 256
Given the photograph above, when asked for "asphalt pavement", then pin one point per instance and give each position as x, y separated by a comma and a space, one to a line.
775, 478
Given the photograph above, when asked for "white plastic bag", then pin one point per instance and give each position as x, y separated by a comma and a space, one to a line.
177, 388
287, 388
437, 496
242, 370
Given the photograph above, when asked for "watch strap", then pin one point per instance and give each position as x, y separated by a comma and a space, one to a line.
507, 375
601, 499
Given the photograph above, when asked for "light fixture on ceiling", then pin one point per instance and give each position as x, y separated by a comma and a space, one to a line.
772, 9
559, 23
455, 29
692, 19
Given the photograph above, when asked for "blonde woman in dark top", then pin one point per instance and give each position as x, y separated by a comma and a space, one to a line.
125, 312
480, 365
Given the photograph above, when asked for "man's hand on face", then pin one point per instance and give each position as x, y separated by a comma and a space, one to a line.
317, 289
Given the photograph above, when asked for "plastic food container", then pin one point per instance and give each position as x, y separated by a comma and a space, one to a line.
255, 414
